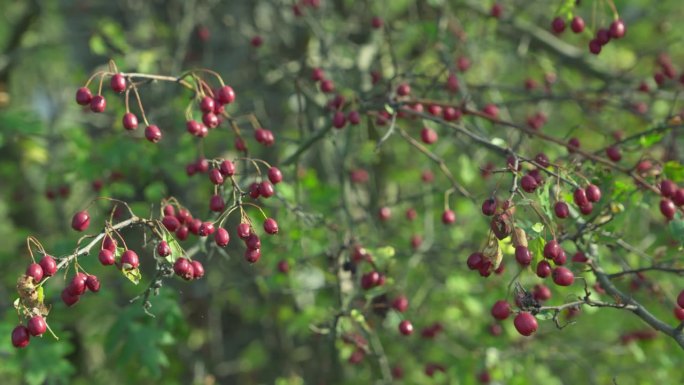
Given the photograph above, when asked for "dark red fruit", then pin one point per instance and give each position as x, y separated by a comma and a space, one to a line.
561, 209
227, 168
428, 135
106, 257
197, 269
271, 226
577, 24
543, 269
34, 270
528, 183
552, 249
580, 257
491, 110
668, 208
222, 237
613, 153
617, 29
558, 25
560, 259
68, 298
244, 230
501, 310
448, 217
80, 221
193, 127
274, 175
678, 197
496, 11
593, 193
327, 86
20, 336
602, 36
489, 207
370, 280
183, 268
354, 118
678, 313
594, 46
525, 323
541, 293
475, 260
523, 255
207, 104
130, 121
573, 144
562, 276
77, 285
400, 304
253, 242
225, 95
252, 255
36, 326
580, 197
586, 209
206, 229
283, 266
98, 103
216, 203
170, 222
680, 299
49, 266
210, 119
667, 188
215, 176
118, 83
163, 249
405, 327
83, 96
376, 22
153, 133
403, 89
92, 283
129, 260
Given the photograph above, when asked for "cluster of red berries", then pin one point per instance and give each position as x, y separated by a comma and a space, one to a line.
21, 334
212, 109
558, 25
616, 30
673, 197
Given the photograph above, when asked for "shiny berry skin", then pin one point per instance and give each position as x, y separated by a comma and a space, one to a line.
153, 133
77, 285
580, 257
93, 283
448, 217
528, 183
678, 313
489, 207
617, 29
49, 266
428, 135
210, 119
271, 226
678, 197
244, 230
118, 83
552, 249
215, 176
130, 260
130, 121
171, 223
68, 298
667, 188
403, 89
80, 221
400, 304
106, 257
197, 269
227, 168
560, 259
561, 209
586, 209
501, 310
252, 255
20, 336
558, 25
206, 229
317, 74
266, 189
580, 197
451, 114
594, 46
193, 127
216, 203
475, 261
543, 269
613, 153
339, 120
667, 208
523, 255
525, 323
225, 95
327, 86
541, 293
163, 249
207, 104
98, 103
34, 270
274, 175
577, 24
254, 190
36, 326
183, 268
491, 110
405, 327
562, 276
221, 237
253, 242
83, 96
593, 193
370, 280
354, 118
602, 36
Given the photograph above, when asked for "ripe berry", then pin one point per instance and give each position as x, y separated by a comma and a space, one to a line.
68, 298
678, 313
594, 46
193, 127
183, 268
580, 197
20, 336
475, 261
129, 260
266, 189
376, 22
523, 256
577, 24
602, 36
339, 120
403, 89
448, 217
667, 188
49, 266
400, 303
317, 74
216, 203
411, 214
496, 10
525, 323
613, 153
428, 135
501, 310
222, 237
225, 95
678, 197
37, 326
153, 133
130, 121
92, 283
210, 119
617, 29
543, 269
215, 176
83, 96
252, 255
451, 114
580, 257
561, 209
244, 230
668, 208
416, 241
558, 25
256, 41
452, 86
271, 226
384, 214
560, 259
253, 242
197, 269
541, 293
405, 327
106, 257
163, 249
354, 118
463, 63
586, 209
227, 168
34, 270
370, 280
98, 103
207, 104
283, 266
593, 193
327, 86
80, 221
491, 110
118, 83
528, 183
171, 223
562, 276
489, 207
552, 249
206, 229
77, 285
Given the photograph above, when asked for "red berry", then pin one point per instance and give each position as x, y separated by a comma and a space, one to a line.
68, 298
317, 74
593, 193
475, 261
206, 229
679, 313
244, 230
403, 89
49, 266
384, 213
617, 29
448, 217
528, 183
197, 269
405, 327
37, 326
523, 256
602, 36
153, 133
594, 46
562, 276
411, 214
118, 83
580, 197
678, 197
680, 299
80, 221
163, 249
489, 207
170, 222
227, 168
668, 208
525, 323
541, 293
552, 249
558, 25
667, 188
183, 268
210, 119
543, 269
451, 114
496, 10
271, 226
613, 153
77, 285
586, 209
579, 257
283, 266
452, 86
463, 63
216, 203
92, 283
266, 189
98, 103
400, 304
207, 104
428, 135
35, 271
83, 96
561, 209
129, 260
501, 310
106, 257
222, 237
256, 41
252, 255
130, 121
491, 111
354, 118
20, 336
577, 24
225, 95
327, 86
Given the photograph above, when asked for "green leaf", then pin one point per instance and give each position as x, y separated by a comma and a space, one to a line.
133, 275
176, 249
